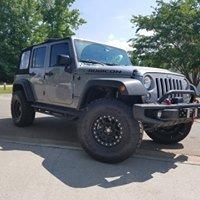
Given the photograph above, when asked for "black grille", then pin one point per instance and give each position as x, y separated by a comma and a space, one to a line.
164, 85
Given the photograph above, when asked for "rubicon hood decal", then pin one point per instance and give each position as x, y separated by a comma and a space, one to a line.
123, 70
112, 71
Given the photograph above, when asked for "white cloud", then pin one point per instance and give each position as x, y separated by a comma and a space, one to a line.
111, 37
120, 43
144, 32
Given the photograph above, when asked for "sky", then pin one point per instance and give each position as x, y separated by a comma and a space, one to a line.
108, 21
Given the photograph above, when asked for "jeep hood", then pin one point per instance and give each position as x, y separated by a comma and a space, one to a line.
125, 71
144, 70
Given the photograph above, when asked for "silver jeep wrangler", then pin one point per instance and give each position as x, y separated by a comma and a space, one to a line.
113, 100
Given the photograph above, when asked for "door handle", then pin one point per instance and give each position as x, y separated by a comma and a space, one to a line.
49, 74
32, 74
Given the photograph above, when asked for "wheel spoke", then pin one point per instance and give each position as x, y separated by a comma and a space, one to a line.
110, 132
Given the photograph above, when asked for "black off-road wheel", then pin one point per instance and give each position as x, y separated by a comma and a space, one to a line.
108, 132
170, 135
22, 113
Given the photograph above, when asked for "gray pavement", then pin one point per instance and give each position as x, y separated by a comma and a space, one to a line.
45, 173
45, 161
55, 131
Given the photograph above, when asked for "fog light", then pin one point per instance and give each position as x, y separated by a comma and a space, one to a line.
159, 114
146, 98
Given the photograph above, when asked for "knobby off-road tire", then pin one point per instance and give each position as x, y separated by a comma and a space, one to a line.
22, 113
108, 132
170, 135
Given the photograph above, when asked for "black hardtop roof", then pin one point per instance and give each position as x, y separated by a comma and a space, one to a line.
46, 42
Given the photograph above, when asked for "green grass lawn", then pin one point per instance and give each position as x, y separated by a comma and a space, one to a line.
7, 91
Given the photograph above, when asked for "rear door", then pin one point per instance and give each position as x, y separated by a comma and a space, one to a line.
59, 84
37, 72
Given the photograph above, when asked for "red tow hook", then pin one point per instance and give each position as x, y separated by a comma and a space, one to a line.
168, 101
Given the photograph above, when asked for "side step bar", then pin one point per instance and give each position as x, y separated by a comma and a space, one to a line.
56, 110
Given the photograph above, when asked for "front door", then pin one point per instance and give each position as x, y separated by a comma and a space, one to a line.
59, 84
37, 71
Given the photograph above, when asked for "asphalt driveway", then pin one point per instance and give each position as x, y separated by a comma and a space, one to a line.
59, 132
45, 161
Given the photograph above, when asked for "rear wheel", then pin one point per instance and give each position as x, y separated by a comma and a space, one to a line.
108, 132
22, 113
170, 135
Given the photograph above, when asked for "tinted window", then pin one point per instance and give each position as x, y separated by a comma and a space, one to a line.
25, 60
57, 49
39, 57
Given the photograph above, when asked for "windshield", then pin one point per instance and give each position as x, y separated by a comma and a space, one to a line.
90, 52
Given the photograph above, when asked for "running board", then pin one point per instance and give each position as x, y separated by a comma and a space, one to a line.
59, 111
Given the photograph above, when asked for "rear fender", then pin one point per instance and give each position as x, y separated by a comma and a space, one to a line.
25, 85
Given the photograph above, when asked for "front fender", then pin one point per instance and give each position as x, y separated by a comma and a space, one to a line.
133, 87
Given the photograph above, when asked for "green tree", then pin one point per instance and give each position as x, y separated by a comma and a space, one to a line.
18, 21
27, 22
175, 42
66, 21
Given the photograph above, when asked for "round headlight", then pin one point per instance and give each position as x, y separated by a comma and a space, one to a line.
185, 84
147, 82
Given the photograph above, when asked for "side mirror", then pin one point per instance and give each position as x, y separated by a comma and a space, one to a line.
64, 60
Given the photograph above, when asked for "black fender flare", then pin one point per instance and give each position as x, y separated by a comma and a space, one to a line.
26, 85
133, 87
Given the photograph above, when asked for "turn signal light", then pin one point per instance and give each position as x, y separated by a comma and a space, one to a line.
122, 88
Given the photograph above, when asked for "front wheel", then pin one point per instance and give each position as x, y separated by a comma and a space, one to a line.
170, 135
108, 132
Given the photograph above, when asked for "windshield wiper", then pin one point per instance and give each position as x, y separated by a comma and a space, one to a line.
92, 61
111, 64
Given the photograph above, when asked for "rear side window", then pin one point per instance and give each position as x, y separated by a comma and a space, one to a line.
57, 49
25, 60
39, 57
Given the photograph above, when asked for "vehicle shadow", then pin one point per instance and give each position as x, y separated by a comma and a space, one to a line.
150, 145
76, 169
45, 129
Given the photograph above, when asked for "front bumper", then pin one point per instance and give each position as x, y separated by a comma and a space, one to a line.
157, 115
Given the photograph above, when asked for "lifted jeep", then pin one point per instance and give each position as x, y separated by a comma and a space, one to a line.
113, 101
